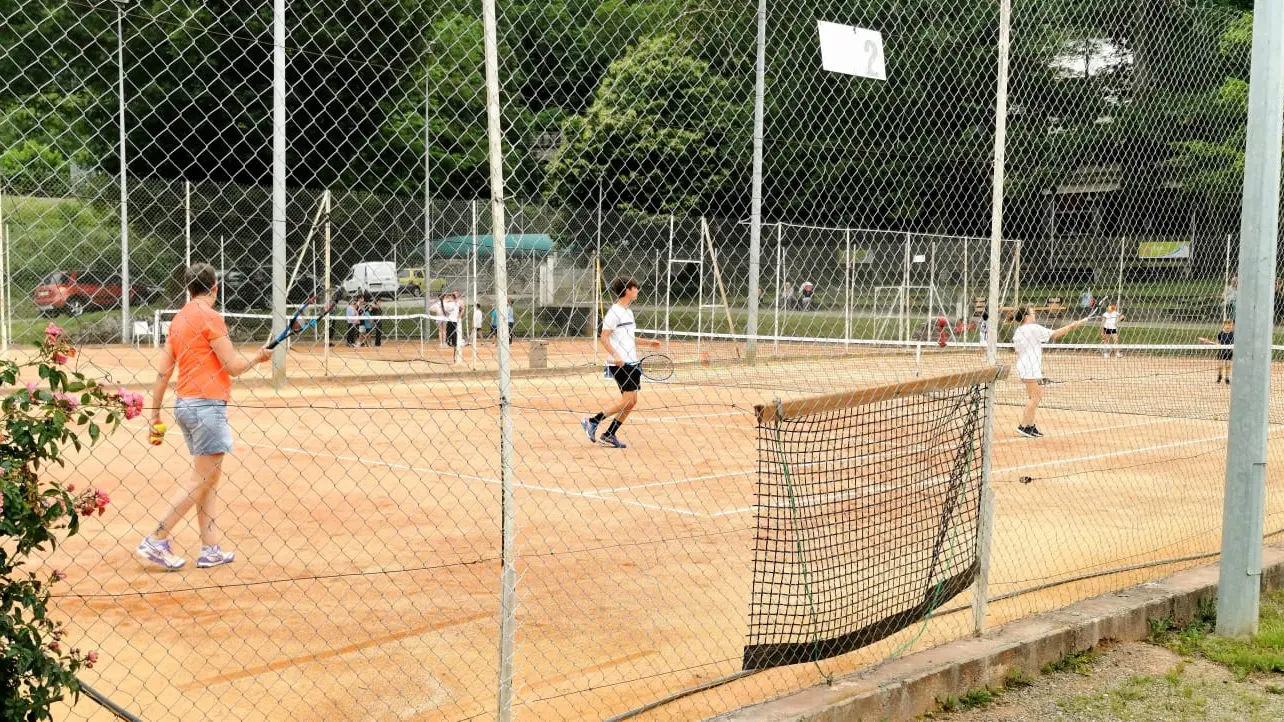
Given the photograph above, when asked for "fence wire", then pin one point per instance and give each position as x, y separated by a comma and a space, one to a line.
363, 495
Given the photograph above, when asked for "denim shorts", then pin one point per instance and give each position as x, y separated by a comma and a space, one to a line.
204, 425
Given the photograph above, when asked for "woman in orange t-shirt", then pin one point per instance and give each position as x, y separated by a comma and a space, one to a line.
199, 347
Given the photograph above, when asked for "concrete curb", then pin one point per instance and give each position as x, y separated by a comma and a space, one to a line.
910, 686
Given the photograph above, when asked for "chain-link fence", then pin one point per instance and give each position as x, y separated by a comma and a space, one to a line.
364, 494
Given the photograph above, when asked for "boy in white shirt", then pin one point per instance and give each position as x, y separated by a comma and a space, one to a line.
618, 329
1110, 329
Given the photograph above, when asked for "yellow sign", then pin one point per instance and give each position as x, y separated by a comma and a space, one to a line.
1163, 249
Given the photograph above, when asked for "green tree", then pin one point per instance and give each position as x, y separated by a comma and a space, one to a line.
662, 135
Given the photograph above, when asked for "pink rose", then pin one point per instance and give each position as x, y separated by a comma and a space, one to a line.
60, 358
71, 402
59, 575
31, 387
71, 488
53, 332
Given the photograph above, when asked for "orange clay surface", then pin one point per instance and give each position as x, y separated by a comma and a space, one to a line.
364, 510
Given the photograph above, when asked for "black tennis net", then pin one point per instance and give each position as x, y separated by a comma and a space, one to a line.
867, 514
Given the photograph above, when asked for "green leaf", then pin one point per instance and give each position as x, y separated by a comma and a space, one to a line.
94, 432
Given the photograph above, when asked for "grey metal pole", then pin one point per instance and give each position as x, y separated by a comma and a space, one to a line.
1226, 280
508, 516
1243, 512
4, 287
278, 187
187, 229
329, 290
775, 314
4, 280
125, 285
668, 296
755, 213
985, 523
427, 290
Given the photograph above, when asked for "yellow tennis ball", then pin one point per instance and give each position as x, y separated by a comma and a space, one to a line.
159, 428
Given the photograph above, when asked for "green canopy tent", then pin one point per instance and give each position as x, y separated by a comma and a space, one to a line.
518, 244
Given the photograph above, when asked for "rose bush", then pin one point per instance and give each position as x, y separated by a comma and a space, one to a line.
39, 422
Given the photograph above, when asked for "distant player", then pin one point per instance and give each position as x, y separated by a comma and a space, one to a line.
1110, 329
1028, 342
618, 329
1225, 337
985, 330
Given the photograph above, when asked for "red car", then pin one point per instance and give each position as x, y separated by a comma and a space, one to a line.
74, 292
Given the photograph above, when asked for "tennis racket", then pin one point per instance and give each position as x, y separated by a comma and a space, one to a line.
296, 324
656, 367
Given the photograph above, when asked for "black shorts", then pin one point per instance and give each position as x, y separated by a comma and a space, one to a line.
1224, 354
1110, 331
627, 376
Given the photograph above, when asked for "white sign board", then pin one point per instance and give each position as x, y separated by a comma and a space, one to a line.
920, 258
852, 51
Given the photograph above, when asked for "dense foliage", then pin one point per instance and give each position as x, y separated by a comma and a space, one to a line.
39, 423
647, 104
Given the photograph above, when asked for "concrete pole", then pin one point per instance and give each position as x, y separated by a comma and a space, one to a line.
985, 522
125, 326
1239, 578
278, 188
755, 213
508, 516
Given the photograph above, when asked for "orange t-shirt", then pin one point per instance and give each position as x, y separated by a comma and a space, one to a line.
200, 372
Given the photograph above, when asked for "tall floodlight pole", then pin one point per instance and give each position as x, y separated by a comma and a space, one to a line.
124, 176
755, 212
1240, 575
986, 520
278, 187
508, 516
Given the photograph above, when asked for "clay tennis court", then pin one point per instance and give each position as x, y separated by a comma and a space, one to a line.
365, 513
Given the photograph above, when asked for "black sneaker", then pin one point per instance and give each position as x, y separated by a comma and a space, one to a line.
1027, 431
1034, 431
1228, 383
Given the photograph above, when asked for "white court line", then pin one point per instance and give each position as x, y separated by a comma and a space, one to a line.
1111, 454
484, 479
1072, 460
618, 489
1093, 430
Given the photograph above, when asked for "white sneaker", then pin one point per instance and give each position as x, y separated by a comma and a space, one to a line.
158, 552
213, 556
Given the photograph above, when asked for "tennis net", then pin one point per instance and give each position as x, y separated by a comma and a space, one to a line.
867, 512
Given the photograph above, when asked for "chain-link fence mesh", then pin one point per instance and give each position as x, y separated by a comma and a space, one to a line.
363, 497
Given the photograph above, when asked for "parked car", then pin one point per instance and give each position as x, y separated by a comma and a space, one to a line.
411, 281
250, 288
75, 292
371, 278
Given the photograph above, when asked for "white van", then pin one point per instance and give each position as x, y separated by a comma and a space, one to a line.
373, 278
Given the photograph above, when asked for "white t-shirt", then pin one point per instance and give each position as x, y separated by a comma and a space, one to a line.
1028, 342
451, 309
619, 321
985, 331
1110, 319
350, 313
